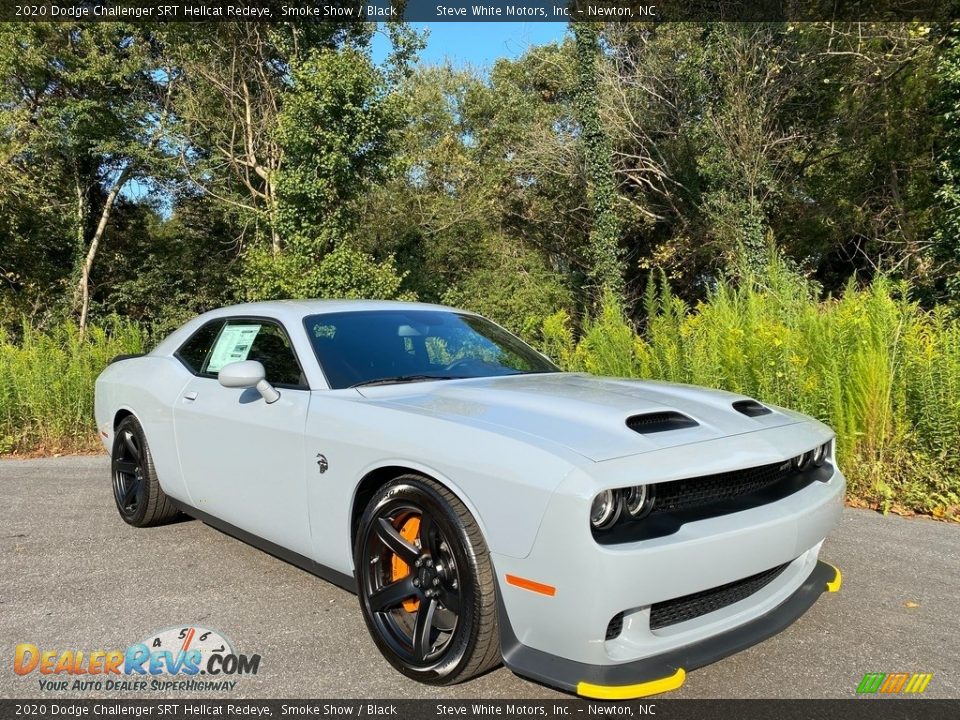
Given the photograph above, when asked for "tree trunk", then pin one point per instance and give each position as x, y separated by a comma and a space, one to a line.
606, 266
81, 232
83, 288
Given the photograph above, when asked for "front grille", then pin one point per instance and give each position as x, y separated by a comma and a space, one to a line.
688, 607
706, 490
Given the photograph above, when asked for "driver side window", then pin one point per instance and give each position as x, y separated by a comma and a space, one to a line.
219, 343
272, 348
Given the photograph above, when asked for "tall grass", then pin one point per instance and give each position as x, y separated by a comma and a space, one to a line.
46, 384
884, 373
880, 370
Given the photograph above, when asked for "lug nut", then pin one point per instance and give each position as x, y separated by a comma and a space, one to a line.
436, 581
416, 582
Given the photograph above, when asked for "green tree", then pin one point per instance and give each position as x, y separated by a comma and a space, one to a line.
345, 272
947, 232
84, 108
816, 137
232, 82
466, 213
333, 130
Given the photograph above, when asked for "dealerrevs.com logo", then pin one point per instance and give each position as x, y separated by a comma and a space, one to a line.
171, 659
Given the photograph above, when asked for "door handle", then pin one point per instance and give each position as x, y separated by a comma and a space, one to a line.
191, 396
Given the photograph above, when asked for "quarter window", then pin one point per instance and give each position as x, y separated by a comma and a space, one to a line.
193, 353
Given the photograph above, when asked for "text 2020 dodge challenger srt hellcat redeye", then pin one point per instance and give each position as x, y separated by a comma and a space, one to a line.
599, 535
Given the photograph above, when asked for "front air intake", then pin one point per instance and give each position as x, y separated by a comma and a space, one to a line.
656, 422
751, 408
688, 607
615, 626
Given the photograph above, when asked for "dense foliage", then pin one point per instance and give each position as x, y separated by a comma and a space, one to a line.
774, 205
874, 365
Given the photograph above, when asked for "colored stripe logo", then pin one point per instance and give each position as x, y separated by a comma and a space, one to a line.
894, 683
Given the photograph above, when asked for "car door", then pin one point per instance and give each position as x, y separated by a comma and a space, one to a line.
243, 459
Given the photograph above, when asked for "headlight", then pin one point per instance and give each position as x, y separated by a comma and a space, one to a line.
803, 462
638, 500
604, 510
819, 453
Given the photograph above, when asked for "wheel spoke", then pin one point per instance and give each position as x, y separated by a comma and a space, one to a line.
126, 466
131, 444
391, 538
422, 628
429, 536
444, 620
450, 600
130, 492
389, 596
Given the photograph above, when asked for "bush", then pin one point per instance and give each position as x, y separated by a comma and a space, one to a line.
46, 384
512, 287
881, 371
344, 272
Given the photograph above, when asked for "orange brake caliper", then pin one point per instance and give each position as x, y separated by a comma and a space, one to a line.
399, 569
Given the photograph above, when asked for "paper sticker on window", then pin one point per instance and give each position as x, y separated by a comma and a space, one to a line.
232, 346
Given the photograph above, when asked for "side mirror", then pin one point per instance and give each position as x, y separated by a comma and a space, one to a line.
246, 374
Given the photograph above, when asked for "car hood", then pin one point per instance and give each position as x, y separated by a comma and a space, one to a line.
584, 413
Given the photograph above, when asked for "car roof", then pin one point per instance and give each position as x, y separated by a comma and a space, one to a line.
302, 308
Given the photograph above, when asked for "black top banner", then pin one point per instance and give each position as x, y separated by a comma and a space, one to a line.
478, 10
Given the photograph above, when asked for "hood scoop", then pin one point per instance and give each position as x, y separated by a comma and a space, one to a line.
751, 408
657, 422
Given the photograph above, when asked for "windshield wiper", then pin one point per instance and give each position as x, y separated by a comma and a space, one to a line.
405, 379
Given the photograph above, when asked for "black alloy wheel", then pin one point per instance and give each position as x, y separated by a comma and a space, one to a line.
129, 484
140, 500
425, 584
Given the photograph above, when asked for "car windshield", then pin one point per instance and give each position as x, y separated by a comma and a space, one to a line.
393, 346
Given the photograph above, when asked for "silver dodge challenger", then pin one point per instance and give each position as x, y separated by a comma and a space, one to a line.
599, 535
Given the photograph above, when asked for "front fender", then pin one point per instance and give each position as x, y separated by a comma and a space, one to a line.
504, 482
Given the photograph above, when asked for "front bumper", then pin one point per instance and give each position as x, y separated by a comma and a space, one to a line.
650, 676
557, 602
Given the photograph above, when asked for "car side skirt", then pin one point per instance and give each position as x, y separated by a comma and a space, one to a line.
661, 673
347, 582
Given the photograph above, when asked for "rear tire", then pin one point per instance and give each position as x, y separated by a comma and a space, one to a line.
140, 500
425, 583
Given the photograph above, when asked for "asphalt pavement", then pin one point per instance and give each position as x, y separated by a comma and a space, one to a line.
75, 577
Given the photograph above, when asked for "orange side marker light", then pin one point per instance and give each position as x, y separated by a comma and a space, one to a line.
531, 585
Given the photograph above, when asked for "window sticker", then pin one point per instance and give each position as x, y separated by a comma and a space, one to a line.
232, 346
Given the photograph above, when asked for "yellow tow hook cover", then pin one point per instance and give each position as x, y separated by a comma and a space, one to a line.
834, 585
630, 692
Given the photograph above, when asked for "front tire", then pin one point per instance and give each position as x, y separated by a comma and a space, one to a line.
425, 583
140, 500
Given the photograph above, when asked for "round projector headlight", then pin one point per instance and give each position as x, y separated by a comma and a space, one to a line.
819, 455
638, 500
604, 510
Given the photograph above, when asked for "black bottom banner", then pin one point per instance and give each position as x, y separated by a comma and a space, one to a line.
174, 709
